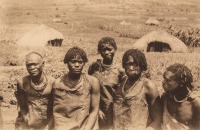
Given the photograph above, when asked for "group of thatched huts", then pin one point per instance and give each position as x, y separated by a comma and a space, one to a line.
156, 41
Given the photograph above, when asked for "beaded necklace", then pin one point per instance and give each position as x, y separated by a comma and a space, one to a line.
40, 86
183, 100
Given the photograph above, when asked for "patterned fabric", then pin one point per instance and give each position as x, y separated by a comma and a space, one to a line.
34, 106
108, 76
130, 110
71, 105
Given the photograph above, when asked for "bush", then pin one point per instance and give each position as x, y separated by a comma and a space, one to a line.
190, 36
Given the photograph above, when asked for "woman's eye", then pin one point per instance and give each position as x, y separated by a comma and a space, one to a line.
73, 62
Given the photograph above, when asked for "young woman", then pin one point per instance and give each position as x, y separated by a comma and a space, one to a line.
137, 103
181, 107
109, 74
76, 95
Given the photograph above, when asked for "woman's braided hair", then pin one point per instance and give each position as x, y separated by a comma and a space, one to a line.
182, 75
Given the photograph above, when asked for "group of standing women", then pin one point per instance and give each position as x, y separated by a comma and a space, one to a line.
108, 97
130, 100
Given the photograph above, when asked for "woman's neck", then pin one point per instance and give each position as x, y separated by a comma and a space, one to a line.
38, 79
73, 79
107, 62
131, 81
181, 93
72, 76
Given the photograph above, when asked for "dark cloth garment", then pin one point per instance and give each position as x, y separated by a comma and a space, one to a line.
130, 110
108, 76
35, 106
72, 104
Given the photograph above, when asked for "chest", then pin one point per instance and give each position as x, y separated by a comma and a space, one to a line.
108, 77
71, 94
181, 111
70, 100
30, 90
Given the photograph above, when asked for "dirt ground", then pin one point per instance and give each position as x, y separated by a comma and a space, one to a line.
83, 23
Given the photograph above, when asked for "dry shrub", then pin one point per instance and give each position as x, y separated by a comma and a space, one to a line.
57, 15
190, 36
128, 31
106, 27
8, 55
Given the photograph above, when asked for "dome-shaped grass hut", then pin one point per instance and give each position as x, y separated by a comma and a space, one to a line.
41, 36
152, 22
160, 41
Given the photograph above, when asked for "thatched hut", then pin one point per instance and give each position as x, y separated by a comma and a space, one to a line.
125, 23
160, 41
41, 36
152, 22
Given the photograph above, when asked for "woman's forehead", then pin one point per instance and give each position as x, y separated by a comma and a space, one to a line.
33, 58
77, 57
130, 58
168, 75
107, 45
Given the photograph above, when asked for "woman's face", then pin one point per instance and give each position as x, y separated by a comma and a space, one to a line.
169, 82
132, 67
76, 64
107, 51
34, 64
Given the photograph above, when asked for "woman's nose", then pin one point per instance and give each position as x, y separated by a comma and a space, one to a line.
76, 64
132, 67
106, 52
31, 67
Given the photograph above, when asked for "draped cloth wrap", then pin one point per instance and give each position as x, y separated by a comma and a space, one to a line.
108, 76
72, 105
130, 110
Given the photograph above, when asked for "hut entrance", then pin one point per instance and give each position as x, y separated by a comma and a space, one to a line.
55, 42
158, 47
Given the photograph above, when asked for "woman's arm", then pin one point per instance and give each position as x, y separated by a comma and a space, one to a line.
155, 108
94, 104
196, 111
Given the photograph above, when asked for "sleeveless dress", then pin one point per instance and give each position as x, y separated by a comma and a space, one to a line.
36, 105
130, 111
71, 105
108, 76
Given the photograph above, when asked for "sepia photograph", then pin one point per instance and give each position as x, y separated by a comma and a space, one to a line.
100, 65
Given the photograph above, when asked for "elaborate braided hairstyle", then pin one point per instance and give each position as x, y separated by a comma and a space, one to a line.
107, 40
182, 75
138, 56
73, 52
